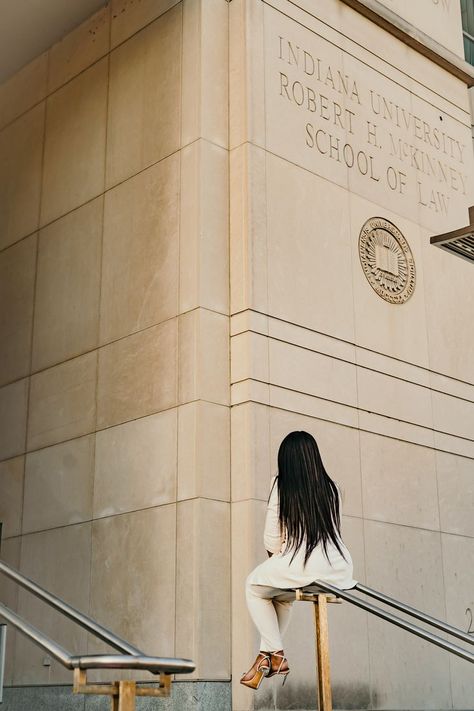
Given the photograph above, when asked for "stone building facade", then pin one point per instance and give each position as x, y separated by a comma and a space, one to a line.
187, 189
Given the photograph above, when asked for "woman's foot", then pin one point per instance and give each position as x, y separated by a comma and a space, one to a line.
279, 664
260, 668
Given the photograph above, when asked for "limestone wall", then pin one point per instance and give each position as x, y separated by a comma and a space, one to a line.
140, 424
334, 122
114, 365
439, 19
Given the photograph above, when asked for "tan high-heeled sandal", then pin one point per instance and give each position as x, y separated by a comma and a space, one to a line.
279, 670
262, 669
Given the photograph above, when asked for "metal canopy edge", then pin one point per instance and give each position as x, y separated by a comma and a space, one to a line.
459, 242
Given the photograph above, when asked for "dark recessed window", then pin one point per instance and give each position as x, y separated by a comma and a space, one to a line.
467, 9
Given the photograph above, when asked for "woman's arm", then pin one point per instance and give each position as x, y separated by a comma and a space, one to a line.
272, 537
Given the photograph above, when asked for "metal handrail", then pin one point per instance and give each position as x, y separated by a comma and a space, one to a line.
413, 612
398, 621
83, 620
131, 658
55, 650
155, 665
135, 659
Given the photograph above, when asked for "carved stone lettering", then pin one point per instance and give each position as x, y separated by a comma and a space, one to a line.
351, 123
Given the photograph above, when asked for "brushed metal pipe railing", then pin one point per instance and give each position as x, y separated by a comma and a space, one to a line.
79, 617
413, 612
131, 657
49, 645
156, 665
397, 621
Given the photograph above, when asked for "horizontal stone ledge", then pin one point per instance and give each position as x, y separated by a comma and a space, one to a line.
415, 38
326, 345
350, 415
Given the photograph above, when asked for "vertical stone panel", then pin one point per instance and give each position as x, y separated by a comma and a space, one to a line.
248, 229
383, 387
133, 578
136, 465
75, 143
399, 482
59, 560
24, 89
204, 248
137, 375
458, 570
124, 476
128, 16
251, 457
300, 203
11, 496
203, 356
62, 402
68, 286
456, 493
10, 553
296, 210
401, 665
140, 259
246, 67
13, 408
144, 98
446, 318
203, 586
247, 552
203, 451
79, 49
58, 485
17, 279
21, 147
205, 95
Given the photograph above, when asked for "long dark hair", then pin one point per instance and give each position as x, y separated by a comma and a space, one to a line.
309, 499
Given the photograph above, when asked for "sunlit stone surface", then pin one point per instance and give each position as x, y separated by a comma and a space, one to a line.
215, 223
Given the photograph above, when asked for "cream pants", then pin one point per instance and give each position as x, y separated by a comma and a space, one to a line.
270, 617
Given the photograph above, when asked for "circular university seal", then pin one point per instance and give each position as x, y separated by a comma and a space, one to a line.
387, 260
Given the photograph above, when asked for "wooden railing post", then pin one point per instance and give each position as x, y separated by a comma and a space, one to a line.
127, 694
122, 693
322, 653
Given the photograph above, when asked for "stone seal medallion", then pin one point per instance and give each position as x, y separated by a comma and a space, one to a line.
387, 260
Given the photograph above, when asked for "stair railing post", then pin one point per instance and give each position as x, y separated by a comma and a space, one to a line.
322, 653
127, 694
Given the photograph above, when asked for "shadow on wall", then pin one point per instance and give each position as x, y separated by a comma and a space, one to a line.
303, 696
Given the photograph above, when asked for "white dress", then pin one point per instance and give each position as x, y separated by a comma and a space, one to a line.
278, 572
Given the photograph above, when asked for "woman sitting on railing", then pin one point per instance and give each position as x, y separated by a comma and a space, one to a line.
302, 537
